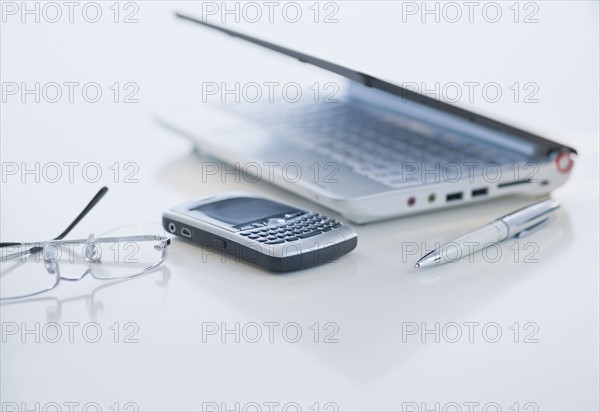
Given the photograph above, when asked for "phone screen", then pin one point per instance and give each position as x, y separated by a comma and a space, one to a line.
240, 210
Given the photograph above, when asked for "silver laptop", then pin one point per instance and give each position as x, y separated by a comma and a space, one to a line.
379, 151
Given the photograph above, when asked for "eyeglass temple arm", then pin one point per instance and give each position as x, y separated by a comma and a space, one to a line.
84, 212
113, 239
81, 215
38, 247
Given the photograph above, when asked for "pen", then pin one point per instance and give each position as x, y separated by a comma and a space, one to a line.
516, 224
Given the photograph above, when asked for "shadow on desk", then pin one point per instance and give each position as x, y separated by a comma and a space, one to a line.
373, 292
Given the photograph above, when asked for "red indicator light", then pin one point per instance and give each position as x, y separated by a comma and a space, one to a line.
564, 163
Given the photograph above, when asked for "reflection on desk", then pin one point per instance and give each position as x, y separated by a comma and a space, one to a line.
129, 299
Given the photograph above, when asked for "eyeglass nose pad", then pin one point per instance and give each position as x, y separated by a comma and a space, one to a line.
89, 253
51, 267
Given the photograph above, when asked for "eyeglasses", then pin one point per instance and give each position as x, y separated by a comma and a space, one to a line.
29, 269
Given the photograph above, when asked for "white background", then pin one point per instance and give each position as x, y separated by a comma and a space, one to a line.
370, 294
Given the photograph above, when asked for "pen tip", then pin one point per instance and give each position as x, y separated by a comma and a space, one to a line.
417, 265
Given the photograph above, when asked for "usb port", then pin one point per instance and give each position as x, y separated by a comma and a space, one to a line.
454, 196
479, 192
186, 232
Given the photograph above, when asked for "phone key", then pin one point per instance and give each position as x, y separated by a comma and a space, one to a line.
327, 229
262, 239
253, 237
291, 238
310, 234
245, 233
271, 237
274, 242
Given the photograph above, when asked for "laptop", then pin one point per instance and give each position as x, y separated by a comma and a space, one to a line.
378, 151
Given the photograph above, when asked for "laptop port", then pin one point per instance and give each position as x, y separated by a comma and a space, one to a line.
514, 183
454, 196
186, 232
479, 192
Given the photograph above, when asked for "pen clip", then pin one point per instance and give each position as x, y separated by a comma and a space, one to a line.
535, 227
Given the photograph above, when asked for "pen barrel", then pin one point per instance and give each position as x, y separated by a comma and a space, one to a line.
474, 241
530, 216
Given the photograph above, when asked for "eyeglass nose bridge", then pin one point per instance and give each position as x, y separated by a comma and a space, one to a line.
84, 274
89, 255
54, 269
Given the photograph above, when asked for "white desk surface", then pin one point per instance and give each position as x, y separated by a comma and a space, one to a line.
370, 295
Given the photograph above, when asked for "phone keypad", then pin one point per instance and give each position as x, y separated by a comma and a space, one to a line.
303, 227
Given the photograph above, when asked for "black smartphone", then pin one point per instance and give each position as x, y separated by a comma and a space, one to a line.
270, 234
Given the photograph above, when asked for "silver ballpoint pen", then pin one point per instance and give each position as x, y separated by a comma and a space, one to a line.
516, 224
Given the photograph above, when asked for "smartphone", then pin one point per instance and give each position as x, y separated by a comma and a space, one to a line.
272, 235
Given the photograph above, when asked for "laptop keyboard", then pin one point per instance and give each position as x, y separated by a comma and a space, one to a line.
395, 151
